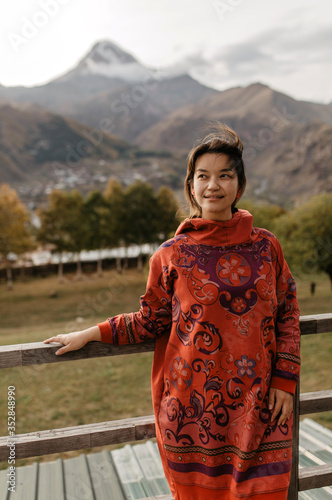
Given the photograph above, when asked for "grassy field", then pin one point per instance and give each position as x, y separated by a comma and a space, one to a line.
87, 391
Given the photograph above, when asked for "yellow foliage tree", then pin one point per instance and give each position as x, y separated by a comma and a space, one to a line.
15, 237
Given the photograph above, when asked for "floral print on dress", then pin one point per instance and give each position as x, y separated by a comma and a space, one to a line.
238, 304
233, 269
181, 375
245, 366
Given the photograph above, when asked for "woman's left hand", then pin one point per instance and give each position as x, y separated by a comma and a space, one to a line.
280, 402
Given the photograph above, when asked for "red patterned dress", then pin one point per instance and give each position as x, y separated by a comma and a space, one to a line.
221, 303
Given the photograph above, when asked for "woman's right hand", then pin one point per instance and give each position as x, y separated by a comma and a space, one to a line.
75, 340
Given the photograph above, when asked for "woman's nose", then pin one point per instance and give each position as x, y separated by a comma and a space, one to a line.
213, 183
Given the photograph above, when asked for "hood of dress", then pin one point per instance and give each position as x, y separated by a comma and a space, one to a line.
235, 231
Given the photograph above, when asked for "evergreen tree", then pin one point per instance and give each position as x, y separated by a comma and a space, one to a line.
63, 226
115, 199
167, 207
100, 231
140, 215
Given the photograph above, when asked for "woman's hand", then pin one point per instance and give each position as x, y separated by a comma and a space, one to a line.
280, 402
75, 340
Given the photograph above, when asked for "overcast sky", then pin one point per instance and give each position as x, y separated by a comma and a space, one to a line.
286, 44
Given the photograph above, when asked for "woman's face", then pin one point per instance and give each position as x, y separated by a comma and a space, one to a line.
215, 186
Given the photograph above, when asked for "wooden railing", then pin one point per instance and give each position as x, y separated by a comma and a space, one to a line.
139, 428
311, 402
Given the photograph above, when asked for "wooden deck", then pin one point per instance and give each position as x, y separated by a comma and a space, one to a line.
135, 472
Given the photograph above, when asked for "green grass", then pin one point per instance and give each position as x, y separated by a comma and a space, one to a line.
87, 391
47, 303
321, 301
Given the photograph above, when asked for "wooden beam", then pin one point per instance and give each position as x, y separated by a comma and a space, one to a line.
315, 477
294, 480
316, 323
79, 437
315, 402
39, 353
10, 356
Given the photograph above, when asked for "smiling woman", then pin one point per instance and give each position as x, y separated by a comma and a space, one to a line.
221, 304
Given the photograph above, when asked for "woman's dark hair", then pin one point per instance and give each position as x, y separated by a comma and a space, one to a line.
224, 141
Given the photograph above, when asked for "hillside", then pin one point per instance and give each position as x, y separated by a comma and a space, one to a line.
30, 137
41, 151
253, 110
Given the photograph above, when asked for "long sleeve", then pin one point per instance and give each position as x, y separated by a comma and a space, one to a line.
155, 314
285, 374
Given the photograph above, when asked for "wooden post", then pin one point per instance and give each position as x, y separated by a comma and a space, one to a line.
294, 482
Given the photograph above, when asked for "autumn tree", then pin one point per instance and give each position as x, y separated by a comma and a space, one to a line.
15, 236
63, 226
306, 236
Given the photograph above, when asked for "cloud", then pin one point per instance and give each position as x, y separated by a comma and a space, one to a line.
241, 60
277, 51
314, 45
285, 57
187, 64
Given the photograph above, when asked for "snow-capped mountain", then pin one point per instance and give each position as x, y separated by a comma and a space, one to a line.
109, 60
110, 84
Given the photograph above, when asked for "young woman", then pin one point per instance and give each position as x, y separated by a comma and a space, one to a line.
221, 303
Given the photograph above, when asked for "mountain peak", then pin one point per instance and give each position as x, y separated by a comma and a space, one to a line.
107, 52
109, 60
